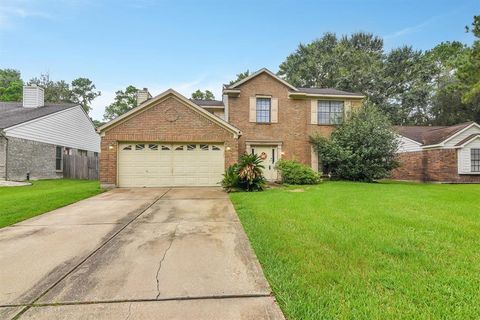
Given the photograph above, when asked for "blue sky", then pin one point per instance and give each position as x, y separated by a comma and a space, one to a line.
188, 45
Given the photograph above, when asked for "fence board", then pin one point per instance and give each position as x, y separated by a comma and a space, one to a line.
80, 167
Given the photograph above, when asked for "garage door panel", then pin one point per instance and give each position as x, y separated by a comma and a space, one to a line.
163, 164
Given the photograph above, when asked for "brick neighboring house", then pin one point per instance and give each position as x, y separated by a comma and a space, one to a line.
34, 136
169, 140
449, 154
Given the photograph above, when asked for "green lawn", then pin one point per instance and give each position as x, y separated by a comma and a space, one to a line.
344, 250
20, 203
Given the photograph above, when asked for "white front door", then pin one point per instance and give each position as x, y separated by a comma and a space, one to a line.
269, 156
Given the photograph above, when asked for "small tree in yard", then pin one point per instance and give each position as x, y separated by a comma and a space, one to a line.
363, 148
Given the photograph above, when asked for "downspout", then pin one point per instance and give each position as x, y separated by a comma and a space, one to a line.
2, 133
225, 104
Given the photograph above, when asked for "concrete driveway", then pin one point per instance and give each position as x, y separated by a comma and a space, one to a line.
134, 254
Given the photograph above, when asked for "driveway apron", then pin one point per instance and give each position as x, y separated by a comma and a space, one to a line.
138, 253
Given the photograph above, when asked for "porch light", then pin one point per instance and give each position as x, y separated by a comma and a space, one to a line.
282, 153
110, 147
228, 148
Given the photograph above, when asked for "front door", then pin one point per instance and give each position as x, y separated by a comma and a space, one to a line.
269, 156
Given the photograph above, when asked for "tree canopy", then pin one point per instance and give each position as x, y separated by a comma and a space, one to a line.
11, 85
439, 86
200, 95
240, 76
125, 100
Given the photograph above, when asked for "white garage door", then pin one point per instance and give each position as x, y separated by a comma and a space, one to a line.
164, 164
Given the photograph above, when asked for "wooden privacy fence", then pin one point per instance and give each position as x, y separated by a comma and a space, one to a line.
77, 166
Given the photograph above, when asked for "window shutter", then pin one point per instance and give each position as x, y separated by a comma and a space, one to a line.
253, 109
347, 108
314, 112
274, 110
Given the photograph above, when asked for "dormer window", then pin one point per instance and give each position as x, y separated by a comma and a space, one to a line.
264, 110
330, 112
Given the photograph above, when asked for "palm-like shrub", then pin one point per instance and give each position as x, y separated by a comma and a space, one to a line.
246, 175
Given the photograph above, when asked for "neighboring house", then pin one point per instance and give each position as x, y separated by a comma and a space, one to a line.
169, 140
441, 154
34, 136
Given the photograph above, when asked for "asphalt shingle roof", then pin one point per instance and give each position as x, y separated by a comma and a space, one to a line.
13, 113
208, 103
327, 91
429, 135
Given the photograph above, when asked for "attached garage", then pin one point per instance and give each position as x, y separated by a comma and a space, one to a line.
166, 141
170, 164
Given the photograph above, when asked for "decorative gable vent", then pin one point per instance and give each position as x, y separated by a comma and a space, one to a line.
33, 97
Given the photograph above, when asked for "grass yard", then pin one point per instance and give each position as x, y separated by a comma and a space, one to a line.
344, 250
20, 203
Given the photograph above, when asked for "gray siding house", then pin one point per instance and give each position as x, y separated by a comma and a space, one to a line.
35, 136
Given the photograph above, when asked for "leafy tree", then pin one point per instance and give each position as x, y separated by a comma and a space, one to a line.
363, 148
447, 105
200, 95
240, 76
469, 70
125, 100
397, 82
11, 85
55, 91
98, 123
83, 92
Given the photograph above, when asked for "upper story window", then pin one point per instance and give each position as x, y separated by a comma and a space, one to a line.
263, 110
475, 160
330, 112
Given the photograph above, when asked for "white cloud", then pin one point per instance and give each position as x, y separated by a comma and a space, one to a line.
13, 10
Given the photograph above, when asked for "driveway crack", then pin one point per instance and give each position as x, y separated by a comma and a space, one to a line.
172, 237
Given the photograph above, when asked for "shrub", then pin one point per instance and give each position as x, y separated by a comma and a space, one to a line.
230, 178
246, 175
363, 148
293, 172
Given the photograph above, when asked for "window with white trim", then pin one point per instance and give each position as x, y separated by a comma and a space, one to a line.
475, 160
263, 110
330, 112
59, 158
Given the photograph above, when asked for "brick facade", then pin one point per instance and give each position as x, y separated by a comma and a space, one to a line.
438, 165
169, 120
293, 127
27, 156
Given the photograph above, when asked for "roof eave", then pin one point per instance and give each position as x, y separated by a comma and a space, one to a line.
313, 95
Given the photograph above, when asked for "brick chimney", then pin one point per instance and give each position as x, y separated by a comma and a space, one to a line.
142, 96
33, 96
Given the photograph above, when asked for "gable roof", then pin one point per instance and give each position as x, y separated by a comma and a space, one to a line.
431, 135
170, 92
13, 113
295, 91
468, 139
257, 73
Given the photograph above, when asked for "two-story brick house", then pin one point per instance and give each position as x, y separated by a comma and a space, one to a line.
169, 140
